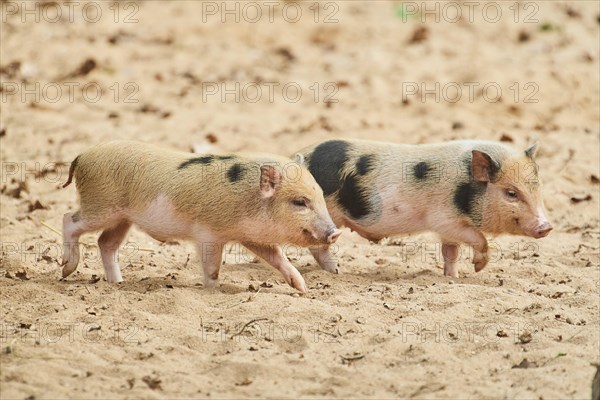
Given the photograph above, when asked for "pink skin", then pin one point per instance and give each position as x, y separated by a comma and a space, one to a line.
540, 228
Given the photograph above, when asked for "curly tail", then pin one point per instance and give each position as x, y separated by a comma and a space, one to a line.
71, 170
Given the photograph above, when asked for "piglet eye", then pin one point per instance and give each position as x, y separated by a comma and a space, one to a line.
511, 193
299, 202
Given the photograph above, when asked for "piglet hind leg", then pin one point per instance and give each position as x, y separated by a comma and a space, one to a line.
325, 258
450, 254
211, 255
274, 256
74, 225
109, 242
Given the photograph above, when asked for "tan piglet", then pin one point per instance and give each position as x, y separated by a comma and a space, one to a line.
258, 200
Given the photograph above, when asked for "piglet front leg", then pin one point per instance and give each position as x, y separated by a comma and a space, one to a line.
450, 247
480, 250
274, 256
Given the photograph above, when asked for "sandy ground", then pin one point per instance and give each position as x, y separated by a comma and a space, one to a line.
390, 326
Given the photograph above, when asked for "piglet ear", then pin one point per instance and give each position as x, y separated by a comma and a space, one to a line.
531, 151
299, 159
270, 178
483, 167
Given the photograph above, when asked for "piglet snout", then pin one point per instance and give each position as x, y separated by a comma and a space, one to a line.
543, 230
333, 234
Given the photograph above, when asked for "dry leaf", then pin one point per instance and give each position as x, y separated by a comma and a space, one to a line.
46, 257
22, 275
92, 310
419, 35
525, 337
85, 68
349, 358
152, 382
16, 192
579, 198
131, 382
36, 206
524, 36
526, 364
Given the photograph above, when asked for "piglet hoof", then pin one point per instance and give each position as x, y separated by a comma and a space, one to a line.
210, 283
297, 282
68, 268
451, 274
114, 280
332, 268
479, 265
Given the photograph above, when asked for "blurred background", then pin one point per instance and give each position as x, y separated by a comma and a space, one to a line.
282, 75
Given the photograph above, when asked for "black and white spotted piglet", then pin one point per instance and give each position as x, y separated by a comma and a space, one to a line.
459, 189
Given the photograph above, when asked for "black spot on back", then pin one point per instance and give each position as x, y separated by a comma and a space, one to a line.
326, 163
228, 157
198, 160
420, 170
466, 195
365, 164
235, 172
353, 199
